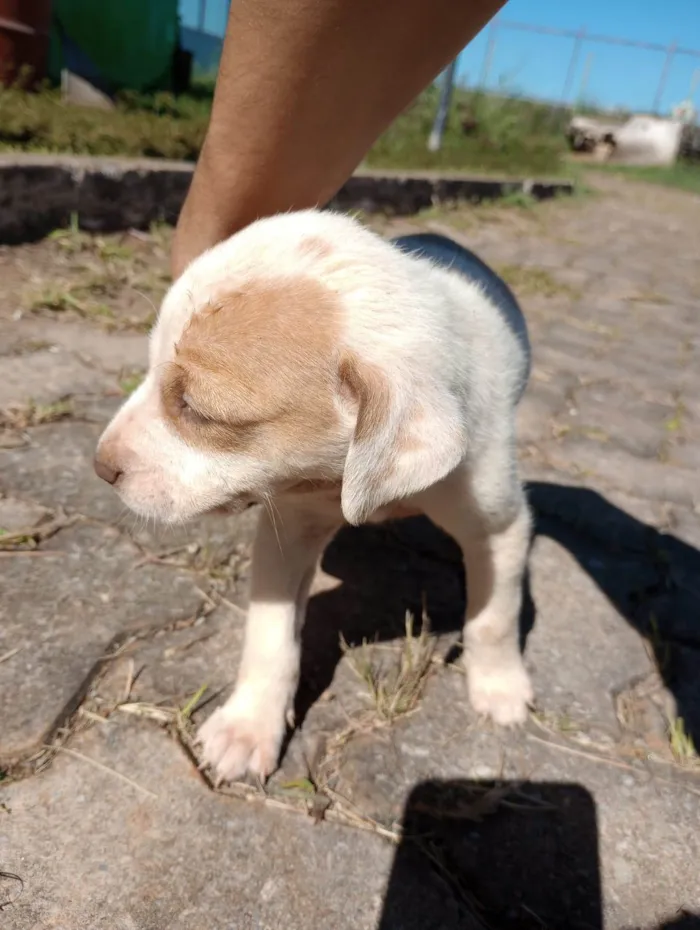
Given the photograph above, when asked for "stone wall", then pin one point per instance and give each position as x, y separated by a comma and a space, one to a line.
40, 193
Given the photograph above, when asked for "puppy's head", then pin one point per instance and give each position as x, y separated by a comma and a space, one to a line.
244, 399
254, 386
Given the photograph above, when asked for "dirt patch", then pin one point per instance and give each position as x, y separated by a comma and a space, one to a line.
115, 281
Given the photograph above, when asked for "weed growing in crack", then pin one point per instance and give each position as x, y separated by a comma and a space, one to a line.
395, 687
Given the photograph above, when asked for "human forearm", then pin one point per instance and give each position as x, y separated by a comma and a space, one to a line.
304, 89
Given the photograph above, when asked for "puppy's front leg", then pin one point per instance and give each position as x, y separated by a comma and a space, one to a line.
246, 733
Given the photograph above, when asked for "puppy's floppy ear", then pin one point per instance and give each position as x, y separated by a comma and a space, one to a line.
401, 444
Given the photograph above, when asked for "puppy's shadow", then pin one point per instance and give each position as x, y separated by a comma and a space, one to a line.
652, 579
385, 570
382, 572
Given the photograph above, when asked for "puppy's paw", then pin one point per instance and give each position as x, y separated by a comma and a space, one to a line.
234, 743
502, 692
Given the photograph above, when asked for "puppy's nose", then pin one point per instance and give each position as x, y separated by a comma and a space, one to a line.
106, 470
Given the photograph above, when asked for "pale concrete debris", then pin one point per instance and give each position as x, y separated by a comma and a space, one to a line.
641, 140
80, 92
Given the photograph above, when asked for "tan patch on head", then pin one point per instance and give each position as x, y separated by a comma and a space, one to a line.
257, 370
316, 246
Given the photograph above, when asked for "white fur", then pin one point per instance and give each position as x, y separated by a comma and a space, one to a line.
447, 352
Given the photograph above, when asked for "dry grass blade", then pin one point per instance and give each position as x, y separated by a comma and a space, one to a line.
474, 808
159, 715
464, 895
27, 539
395, 687
21, 416
682, 745
474, 802
33, 553
603, 760
175, 718
191, 705
130, 666
103, 768
10, 876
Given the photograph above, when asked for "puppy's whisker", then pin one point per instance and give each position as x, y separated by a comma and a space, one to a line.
276, 509
124, 514
147, 299
267, 502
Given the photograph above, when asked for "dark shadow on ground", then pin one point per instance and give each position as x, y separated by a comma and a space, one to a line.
652, 578
383, 571
683, 921
500, 856
506, 856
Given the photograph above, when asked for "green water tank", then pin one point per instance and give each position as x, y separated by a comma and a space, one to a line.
115, 44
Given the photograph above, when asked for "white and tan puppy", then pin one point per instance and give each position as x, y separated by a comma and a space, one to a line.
308, 364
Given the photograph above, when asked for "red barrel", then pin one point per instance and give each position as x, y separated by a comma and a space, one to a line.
24, 39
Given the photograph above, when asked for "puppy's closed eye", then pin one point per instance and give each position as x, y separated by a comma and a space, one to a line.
189, 408
174, 397
184, 406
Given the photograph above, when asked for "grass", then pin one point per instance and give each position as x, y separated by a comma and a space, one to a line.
115, 281
130, 381
485, 133
504, 135
395, 687
682, 745
529, 280
22, 416
674, 423
684, 175
648, 297
29, 539
159, 126
61, 299
509, 136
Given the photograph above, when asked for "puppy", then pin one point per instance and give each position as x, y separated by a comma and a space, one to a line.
308, 364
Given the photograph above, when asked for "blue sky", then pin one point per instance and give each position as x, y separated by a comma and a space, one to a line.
536, 65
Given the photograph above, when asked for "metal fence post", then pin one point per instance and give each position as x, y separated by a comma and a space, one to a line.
668, 61
443, 110
583, 86
694, 84
573, 63
488, 55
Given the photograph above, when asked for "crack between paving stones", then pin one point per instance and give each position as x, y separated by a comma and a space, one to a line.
69, 721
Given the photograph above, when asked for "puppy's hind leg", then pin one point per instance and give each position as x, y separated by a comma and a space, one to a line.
491, 522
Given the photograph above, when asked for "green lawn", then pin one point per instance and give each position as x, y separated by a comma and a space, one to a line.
684, 175
505, 135
508, 136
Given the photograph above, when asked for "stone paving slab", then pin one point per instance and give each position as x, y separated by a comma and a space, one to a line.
106, 353
62, 611
54, 374
63, 478
163, 850
609, 440
576, 738
170, 854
